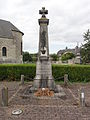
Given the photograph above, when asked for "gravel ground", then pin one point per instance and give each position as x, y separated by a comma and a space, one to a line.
46, 109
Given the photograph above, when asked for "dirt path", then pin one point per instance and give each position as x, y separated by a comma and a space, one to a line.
46, 109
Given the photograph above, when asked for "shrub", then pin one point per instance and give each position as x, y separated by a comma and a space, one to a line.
77, 73
14, 71
67, 56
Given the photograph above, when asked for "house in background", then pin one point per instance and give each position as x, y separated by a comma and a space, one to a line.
75, 51
10, 43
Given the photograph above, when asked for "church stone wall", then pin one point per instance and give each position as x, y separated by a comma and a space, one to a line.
13, 47
18, 46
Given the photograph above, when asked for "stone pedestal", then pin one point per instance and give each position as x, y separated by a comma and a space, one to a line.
44, 78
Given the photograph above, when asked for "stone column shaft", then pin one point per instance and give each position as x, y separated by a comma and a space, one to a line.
44, 76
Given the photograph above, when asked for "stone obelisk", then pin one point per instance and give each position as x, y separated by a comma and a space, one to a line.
44, 78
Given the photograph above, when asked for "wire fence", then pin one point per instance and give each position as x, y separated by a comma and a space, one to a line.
31, 79
28, 78
59, 78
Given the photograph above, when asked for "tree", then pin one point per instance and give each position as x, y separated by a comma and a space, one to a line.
34, 57
54, 57
67, 56
27, 57
85, 49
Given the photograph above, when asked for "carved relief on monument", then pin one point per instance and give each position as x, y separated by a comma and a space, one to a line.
43, 42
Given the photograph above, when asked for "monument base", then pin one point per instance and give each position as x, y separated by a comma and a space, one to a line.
44, 78
49, 84
30, 91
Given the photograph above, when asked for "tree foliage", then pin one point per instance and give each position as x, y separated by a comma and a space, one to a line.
54, 57
85, 49
26, 57
34, 57
67, 56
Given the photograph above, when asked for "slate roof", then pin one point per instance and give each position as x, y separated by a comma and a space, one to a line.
6, 29
74, 51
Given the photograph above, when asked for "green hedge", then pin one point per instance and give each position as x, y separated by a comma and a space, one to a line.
14, 71
77, 73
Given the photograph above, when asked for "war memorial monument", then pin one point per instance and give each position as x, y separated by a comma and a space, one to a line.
44, 80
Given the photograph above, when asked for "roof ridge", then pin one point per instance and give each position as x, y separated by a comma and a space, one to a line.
6, 28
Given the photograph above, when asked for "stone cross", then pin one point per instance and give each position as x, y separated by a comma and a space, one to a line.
43, 12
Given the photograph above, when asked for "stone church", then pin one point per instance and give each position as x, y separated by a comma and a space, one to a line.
10, 43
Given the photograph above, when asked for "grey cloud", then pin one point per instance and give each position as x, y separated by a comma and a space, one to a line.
68, 20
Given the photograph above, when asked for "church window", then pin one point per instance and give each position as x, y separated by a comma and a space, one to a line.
21, 48
4, 51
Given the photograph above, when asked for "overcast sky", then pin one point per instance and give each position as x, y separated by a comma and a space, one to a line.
69, 19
